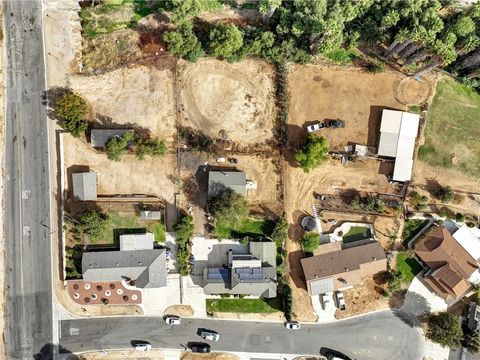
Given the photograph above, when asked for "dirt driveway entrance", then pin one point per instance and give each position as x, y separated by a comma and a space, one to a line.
236, 98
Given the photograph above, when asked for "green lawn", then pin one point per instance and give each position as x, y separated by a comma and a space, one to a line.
119, 224
252, 228
357, 233
411, 228
245, 305
408, 266
453, 129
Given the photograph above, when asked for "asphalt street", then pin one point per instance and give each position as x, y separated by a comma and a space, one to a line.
378, 336
28, 255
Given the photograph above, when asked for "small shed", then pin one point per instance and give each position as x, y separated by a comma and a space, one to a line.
219, 180
99, 137
85, 186
150, 215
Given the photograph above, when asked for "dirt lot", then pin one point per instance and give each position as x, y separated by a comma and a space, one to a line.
123, 354
263, 170
363, 298
425, 175
358, 98
353, 95
236, 98
152, 176
141, 96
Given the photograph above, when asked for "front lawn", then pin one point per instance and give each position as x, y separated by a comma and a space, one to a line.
245, 305
408, 266
252, 228
411, 228
357, 233
119, 224
451, 134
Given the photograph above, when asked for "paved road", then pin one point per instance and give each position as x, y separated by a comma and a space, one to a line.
381, 336
28, 259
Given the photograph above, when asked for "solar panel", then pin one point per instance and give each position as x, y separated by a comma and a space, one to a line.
217, 274
249, 274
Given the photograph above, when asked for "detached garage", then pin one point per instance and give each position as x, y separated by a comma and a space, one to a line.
398, 132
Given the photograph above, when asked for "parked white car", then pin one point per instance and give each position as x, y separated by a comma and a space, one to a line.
326, 300
292, 325
173, 320
341, 301
315, 127
143, 346
212, 336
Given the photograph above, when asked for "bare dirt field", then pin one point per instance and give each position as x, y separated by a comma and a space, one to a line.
140, 96
152, 176
236, 98
154, 354
424, 175
212, 356
353, 95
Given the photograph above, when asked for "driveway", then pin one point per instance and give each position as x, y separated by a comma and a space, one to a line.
419, 300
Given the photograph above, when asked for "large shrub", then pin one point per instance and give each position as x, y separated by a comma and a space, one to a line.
72, 110
310, 241
313, 153
444, 329
93, 224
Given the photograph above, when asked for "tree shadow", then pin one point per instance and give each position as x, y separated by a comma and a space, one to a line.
297, 277
432, 186
50, 98
47, 353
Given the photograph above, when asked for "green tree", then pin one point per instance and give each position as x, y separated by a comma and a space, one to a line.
464, 26
93, 224
444, 329
117, 145
72, 110
394, 279
151, 147
310, 241
280, 232
313, 153
444, 193
230, 207
183, 43
267, 7
225, 41
184, 229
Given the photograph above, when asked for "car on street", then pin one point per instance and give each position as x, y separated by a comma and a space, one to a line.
333, 354
142, 346
335, 124
340, 300
173, 320
292, 325
210, 335
315, 127
200, 348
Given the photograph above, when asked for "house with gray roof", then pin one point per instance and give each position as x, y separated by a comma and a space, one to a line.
147, 268
219, 180
99, 137
84, 186
246, 274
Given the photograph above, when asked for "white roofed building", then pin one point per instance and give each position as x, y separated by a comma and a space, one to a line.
131, 242
398, 132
